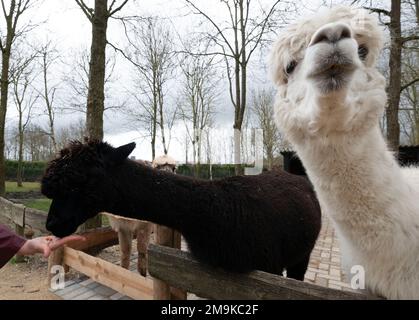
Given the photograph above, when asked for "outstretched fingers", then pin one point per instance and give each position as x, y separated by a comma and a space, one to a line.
56, 243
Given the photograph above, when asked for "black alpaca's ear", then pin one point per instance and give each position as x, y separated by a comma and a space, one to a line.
118, 155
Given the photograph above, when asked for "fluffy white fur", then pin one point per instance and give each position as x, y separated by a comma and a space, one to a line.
333, 124
164, 160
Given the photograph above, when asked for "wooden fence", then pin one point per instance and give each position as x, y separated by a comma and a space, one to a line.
179, 269
22, 216
174, 272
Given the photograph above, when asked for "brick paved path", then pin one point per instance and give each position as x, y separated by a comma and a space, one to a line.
324, 270
325, 261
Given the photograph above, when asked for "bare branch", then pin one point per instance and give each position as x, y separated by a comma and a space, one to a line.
230, 83
124, 55
204, 54
409, 38
262, 31
407, 85
379, 10
220, 32
86, 10
112, 12
4, 8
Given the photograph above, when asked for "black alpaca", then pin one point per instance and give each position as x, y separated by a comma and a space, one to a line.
268, 222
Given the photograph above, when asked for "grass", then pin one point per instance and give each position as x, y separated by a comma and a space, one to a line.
27, 186
40, 204
105, 221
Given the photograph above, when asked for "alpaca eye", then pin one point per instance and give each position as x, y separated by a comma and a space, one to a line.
291, 67
362, 52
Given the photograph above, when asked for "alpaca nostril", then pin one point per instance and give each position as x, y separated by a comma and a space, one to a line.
332, 33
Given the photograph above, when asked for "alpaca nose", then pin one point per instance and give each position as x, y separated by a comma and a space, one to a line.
331, 33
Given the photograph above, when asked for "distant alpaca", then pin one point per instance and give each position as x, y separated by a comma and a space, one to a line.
268, 222
329, 102
127, 228
164, 162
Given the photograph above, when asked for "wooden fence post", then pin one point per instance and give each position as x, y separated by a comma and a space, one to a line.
178, 294
162, 291
56, 258
21, 232
164, 237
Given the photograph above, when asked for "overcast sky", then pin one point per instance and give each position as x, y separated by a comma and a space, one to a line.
67, 27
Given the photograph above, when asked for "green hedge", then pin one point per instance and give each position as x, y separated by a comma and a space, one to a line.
218, 170
32, 171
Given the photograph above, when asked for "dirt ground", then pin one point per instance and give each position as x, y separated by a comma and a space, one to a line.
25, 281
28, 280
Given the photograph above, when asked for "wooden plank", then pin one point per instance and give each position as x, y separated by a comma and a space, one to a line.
12, 211
164, 237
179, 269
36, 219
55, 259
21, 232
96, 239
117, 278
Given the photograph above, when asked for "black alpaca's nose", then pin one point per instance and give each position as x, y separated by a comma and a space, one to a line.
331, 33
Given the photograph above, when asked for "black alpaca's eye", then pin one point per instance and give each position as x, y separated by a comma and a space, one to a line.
291, 67
362, 52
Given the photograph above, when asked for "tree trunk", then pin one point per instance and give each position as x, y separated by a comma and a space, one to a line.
186, 149
154, 134
154, 120
198, 156
96, 95
237, 151
49, 106
20, 153
270, 157
4, 87
194, 153
394, 86
161, 114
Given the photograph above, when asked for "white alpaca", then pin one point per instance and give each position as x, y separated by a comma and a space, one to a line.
329, 101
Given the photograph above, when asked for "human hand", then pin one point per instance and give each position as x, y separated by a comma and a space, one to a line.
45, 245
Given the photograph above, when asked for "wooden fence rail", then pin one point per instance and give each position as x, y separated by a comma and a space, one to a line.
180, 270
22, 216
175, 268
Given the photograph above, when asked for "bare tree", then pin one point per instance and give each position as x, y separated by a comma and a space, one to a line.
399, 40
38, 146
197, 105
73, 131
22, 75
98, 16
409, 103
76, 79
151, 53
236, 41
49, 55
262, 107
12, 14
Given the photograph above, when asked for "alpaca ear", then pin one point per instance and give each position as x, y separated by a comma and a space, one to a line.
122, 153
